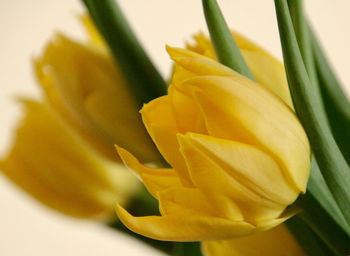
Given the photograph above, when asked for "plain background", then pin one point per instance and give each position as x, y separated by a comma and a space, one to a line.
26, 227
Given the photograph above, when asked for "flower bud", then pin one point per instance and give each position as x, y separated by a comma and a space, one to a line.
238, 153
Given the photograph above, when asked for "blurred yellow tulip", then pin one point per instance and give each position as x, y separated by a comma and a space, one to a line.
50, 161
276, 241
83, 83
238, 153
64, 154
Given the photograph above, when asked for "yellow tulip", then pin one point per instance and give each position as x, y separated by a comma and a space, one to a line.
50, 161
276, 241
238, 153
83, 83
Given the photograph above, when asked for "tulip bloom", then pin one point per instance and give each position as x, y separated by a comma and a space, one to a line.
238, 153
84, 85
51, 162
276, 241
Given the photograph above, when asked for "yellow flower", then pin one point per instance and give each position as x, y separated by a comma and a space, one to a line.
55, 165
276, 241
82, 82
238, 152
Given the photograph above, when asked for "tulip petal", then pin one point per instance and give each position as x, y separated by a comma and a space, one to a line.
185, 201
186, 112
211, 177
155, 180
276, 241
94, 36
159, 120
184, 228
267, 70
237, 109
250, 166
197, 64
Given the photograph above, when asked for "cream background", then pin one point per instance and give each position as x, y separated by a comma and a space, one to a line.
27, 228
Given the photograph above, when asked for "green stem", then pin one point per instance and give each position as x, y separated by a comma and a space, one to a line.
303, 38
309, 109
317, 187
225, 46
142, 77
336, 103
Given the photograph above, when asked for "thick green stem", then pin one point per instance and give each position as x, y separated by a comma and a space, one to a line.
225, 46
303, 38
309, 109
336, 103
142, 77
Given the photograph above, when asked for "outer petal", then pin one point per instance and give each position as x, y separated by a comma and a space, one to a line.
159, 120
155, 180
276, 241
267, 70
248, 165
210, 175
189, 64
186, 228
237, 109
187, 114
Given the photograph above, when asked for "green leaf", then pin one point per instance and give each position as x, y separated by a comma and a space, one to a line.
142, 77
336, 103
303, 38
317, 187
322, 217
309, 109
225, 46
